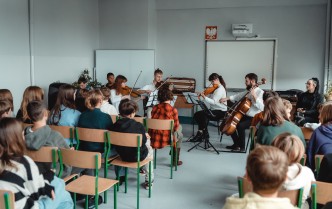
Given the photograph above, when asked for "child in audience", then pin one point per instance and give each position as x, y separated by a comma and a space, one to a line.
64, 112
106, 107
5, 94
298, 176
288, 106
267, 169
31, 93
5, 109
164, 110
127, 124
20, 175
40, 135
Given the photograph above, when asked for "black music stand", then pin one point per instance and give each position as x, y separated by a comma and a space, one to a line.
206, 141
191, 98
152, 100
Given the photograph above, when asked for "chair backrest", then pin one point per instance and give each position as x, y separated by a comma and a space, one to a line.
44, 155
90, 135
125, 139
252, 133
295, 196
307, 132
318, 160
139, 119
65, 131
80, 159
303, 160
114, 118
159, 124
320, 193
7, 199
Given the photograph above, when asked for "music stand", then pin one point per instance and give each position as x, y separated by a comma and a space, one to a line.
191, 98
207, 143
153, 99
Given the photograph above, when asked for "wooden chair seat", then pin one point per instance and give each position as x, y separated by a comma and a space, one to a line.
79, 185
109, 159
118, 161
67, 178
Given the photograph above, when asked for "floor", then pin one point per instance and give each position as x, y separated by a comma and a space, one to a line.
203, 181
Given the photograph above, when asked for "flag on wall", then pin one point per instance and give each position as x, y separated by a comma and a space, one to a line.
210, 32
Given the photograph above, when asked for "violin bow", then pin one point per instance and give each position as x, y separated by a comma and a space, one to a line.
135, 82
163, 83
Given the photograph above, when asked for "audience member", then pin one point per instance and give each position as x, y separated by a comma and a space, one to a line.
41, 135
106, 107
31, 93
321, 139
275, 121
127, 124
20, 175
267, 170
289, 107
325, 173
307, 103
298, 176
5, 94
162, 138
5, 109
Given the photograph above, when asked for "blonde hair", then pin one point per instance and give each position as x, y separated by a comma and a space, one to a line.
287, 104
291, 145
267, 168
326, 113
32, 93
93, 98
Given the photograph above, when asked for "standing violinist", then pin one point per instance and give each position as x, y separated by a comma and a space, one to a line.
158, 76
218, 109
117, 91
255, 95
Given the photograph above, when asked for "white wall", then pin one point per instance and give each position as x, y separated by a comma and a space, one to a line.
300, 31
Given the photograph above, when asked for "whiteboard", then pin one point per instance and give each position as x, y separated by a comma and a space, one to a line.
233, 59
128, 63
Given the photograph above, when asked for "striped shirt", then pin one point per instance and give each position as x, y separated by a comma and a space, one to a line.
26, 182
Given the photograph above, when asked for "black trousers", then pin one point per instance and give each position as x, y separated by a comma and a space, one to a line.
203, 118
239, 135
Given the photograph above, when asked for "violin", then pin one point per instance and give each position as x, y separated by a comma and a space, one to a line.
130, 91
210, 90
236, 112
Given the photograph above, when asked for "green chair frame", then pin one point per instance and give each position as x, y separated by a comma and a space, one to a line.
7, 199
320, 193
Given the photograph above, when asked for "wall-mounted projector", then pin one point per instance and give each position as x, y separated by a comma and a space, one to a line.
241, 30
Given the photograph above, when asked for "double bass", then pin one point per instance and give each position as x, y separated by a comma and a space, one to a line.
237, 111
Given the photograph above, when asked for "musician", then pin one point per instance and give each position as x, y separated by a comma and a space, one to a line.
110, 80
117, 90
218, 109
158, 76
256, 97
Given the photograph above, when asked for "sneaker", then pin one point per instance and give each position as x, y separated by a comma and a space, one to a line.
91, 202
146, 185
121, 180
231, 147
142, 172
197, 137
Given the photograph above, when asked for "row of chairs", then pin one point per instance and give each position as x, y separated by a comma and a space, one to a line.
320, 192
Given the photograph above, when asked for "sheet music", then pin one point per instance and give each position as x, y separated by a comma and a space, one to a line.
191, 97
153, 99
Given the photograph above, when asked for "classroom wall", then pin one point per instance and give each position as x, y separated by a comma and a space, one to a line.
65, 35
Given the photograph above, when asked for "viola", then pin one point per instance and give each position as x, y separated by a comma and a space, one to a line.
236, 112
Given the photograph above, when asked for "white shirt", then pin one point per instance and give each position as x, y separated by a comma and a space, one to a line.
108, 108
257, 105
116, 99
149, 87
219, 93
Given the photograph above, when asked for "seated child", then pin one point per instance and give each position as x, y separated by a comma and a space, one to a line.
106, 107
5, 109
20, 175
39, 134
267, 169
126, 124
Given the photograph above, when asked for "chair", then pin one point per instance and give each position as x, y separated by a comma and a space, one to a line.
114, 118
307, 132
295, 196
318, 160
130, 140
303, 160
7, 199
139, 119
99, 136
86, 185
67, 132
45, 155
252, 138
320, 193
165, 125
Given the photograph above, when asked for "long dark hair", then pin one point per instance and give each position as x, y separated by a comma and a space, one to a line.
214, 76
66, 98
12, 144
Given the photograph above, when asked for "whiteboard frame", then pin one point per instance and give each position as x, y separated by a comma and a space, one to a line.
274, 64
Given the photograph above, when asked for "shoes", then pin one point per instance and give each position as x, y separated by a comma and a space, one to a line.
146, 185
121, 180
197, 137
91, 202
206, 134
231, 147
238, 149
142, 172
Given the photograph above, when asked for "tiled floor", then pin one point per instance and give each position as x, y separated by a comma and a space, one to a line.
203, 181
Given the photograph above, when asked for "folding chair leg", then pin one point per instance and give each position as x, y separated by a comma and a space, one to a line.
138, 177
150, 179
126, 177
86, 202
155, 159
115, 195
172, 154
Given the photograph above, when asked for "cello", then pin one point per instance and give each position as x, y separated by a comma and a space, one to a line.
237, 111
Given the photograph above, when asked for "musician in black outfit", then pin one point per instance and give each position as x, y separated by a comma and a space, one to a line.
255, 95
307, 103
218, 109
